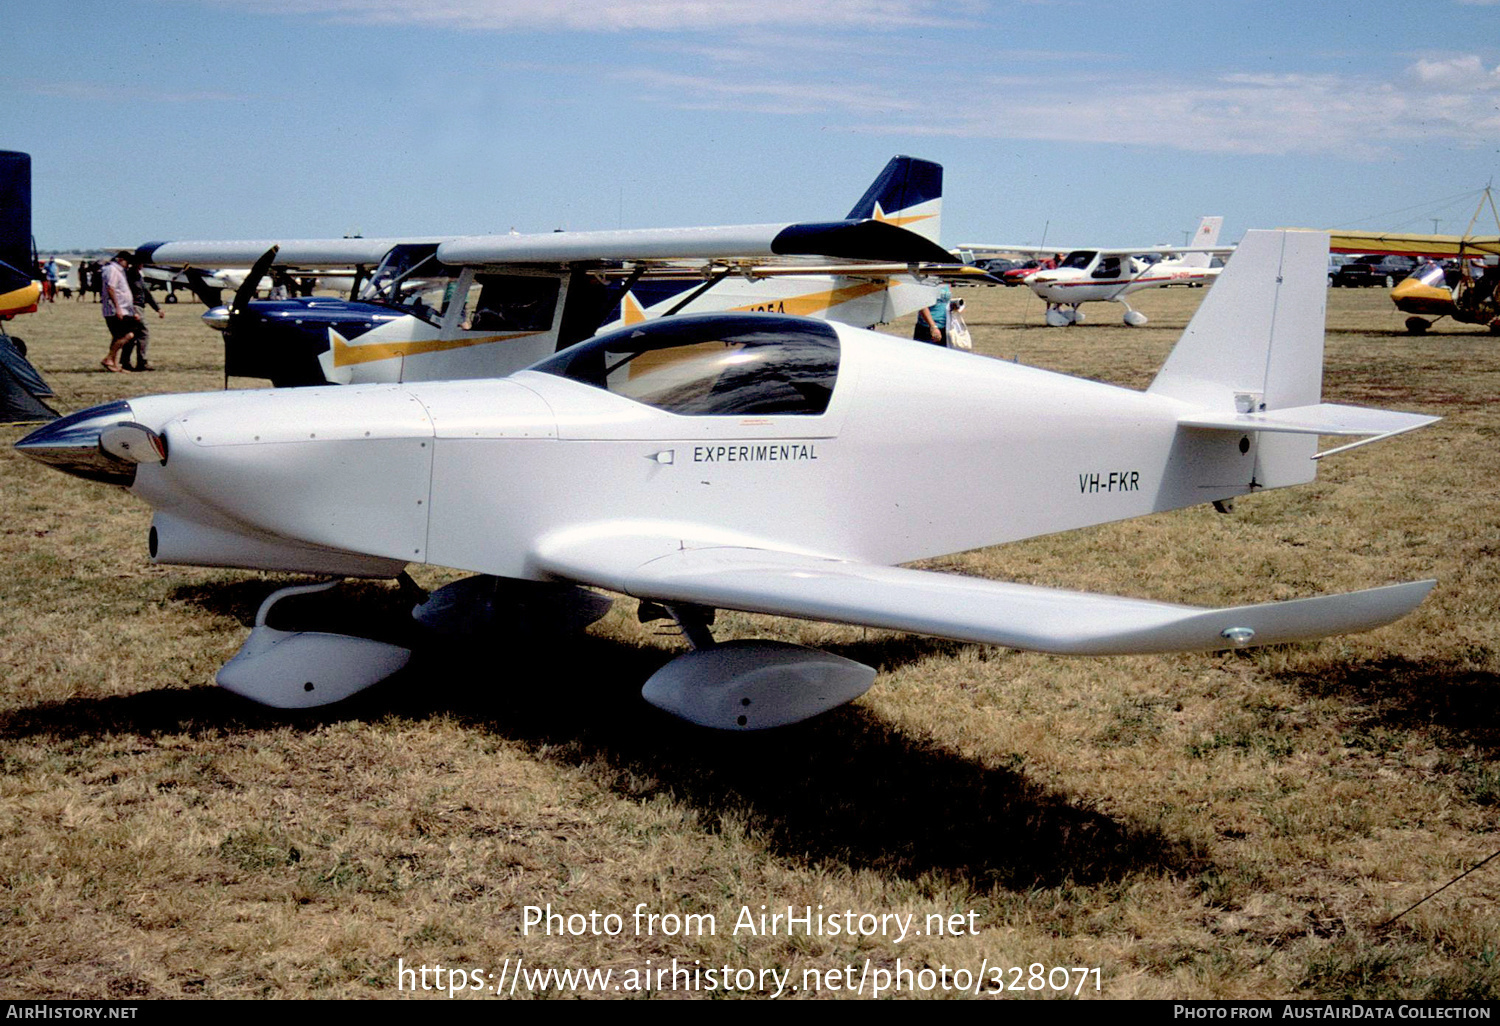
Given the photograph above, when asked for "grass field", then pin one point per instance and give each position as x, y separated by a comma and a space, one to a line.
1197, 826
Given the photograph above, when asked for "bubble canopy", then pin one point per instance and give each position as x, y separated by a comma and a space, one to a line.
712, 365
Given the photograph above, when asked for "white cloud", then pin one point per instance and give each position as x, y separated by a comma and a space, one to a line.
1234, 113
1466, 72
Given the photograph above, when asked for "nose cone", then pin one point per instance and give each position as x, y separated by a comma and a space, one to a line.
1414, 297
72, 444
217, 318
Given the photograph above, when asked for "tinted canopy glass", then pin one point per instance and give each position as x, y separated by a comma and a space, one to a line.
713, 364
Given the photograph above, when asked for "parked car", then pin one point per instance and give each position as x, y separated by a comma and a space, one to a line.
1366, 271
1016, 275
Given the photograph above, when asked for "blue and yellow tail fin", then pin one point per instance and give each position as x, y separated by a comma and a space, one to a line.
908, 193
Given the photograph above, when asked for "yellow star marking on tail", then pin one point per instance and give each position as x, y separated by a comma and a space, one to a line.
631, 311
346, 355
881, 215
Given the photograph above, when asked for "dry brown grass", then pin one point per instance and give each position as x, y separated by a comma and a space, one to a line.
1196, 826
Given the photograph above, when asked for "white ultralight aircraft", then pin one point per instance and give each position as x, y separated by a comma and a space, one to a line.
441, 308
1099, 275
766, 463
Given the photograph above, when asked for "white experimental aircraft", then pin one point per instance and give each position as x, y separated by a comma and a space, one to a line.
765, 463
442, 308
1095, 275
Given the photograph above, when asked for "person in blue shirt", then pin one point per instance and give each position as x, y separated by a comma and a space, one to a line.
932, 323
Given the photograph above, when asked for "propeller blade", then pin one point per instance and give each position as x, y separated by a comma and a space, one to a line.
199, 286
246, 292
242, 300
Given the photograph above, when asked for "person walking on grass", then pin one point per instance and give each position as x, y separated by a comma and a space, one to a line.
118, 308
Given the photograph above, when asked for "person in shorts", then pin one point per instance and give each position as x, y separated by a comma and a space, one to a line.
141, 296
118, 308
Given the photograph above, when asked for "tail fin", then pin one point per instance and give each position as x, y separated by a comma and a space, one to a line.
1256, 344
1206, 235
15, 210
909, 193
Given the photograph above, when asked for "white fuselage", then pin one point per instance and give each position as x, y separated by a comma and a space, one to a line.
409, 348
1070, 286
921, 451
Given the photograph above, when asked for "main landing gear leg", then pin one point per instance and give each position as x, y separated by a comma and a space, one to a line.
1133, 318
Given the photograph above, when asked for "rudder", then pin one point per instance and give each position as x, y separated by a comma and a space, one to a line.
1256, 344
908, 193
15, 210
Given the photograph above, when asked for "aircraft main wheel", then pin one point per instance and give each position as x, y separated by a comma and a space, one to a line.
171, 297
1058, 319
1417, 325
1135, 318
18, 342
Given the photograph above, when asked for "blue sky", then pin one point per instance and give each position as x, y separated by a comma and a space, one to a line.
1106, 123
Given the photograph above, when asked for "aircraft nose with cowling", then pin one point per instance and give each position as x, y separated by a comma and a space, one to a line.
754, 462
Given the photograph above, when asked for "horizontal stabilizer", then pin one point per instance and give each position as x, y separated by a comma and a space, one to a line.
948, 606
1318, 419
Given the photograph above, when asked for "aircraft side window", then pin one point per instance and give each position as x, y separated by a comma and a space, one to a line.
712, 366
514, 302
1109, 267
1079, 260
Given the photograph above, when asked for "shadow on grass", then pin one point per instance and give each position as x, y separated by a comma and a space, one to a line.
1413, 694
846, 788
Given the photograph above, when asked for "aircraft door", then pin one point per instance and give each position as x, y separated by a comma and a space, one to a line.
1111, 267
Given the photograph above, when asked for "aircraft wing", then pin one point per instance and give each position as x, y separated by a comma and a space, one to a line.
980, 249
862, 239
854, 239
1411, 244
1020, 616
337, 253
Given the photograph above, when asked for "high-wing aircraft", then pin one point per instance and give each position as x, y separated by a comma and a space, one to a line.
1470, 296
20, 287
483, 306
766, 463
1091, 275
22, 390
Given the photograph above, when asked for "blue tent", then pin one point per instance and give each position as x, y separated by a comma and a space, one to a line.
21, 387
